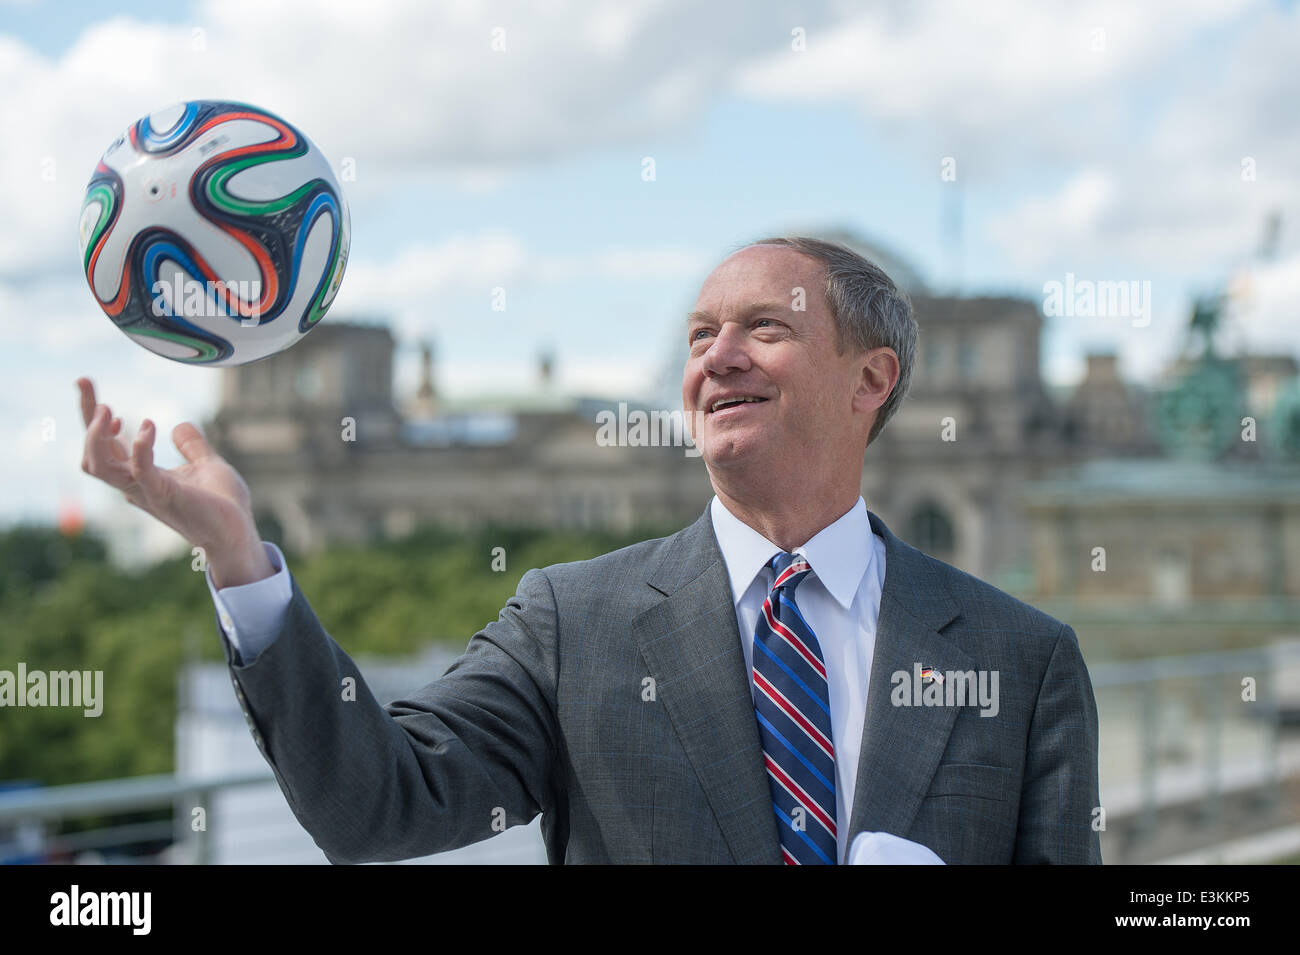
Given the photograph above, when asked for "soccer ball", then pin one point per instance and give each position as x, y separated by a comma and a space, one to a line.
214, 233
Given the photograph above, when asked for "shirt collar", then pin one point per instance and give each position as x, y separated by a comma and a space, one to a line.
839, 553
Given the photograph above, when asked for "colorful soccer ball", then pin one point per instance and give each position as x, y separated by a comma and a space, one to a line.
214, 233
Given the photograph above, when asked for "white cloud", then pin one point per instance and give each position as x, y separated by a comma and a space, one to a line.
1074, 211
972, 75
397, 86
612, 375
409, 285
1140, 141
1270, 312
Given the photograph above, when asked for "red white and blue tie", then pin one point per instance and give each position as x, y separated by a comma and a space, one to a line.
792, 702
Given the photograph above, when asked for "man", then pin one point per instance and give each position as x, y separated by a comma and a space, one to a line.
759, 687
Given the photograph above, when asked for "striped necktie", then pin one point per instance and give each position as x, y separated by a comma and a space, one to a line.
792, 703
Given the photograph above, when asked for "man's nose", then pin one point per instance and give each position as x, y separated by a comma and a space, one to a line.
728, 352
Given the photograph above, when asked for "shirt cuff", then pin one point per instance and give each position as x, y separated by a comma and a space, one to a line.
252, 615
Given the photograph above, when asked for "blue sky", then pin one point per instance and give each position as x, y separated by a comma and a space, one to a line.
522, 169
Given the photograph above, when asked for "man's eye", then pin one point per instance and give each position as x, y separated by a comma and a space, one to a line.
695, 335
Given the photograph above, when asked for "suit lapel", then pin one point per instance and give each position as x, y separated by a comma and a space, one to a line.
692, 645
902, 745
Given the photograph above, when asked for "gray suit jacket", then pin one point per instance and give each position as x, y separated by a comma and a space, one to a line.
611, 697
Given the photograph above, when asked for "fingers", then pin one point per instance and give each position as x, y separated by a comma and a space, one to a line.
151, 480
191, 442
97, 426
101, 427
132, 472
87, 390
98, 458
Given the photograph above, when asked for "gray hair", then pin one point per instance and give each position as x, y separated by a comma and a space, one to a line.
870, 311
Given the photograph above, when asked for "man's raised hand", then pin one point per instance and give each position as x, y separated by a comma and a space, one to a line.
204, 500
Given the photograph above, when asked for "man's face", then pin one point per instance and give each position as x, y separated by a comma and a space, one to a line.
746, 339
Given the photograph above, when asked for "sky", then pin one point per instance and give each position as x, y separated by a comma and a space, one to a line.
1103, 140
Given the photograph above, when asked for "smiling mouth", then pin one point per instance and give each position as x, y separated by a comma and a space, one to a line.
732, 403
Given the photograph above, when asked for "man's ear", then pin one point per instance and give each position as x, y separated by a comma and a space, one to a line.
879, 371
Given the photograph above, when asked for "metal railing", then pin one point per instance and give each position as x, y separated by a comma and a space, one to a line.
120, 796
1202, 677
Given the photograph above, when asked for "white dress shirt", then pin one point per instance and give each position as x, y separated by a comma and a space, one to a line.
252, 614
840, 600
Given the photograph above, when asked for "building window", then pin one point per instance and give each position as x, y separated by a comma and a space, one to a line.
307, 382
931, 350
1171, 582
966, 360
930, 530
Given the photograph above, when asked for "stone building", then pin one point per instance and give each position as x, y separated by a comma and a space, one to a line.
978, 424
1198, 545
328, 456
